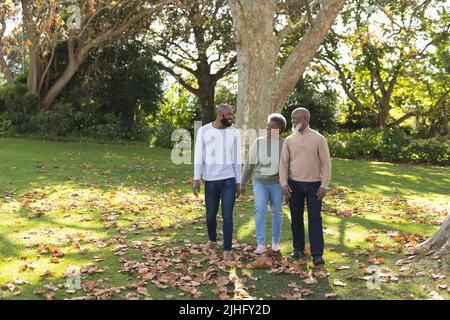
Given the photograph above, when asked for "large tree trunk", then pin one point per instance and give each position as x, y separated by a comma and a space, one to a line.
262, 89
257, 50
440, 241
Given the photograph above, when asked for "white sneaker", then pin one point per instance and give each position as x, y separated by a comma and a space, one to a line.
261, 249
276, 247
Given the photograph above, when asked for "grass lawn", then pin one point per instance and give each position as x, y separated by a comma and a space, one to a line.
123, 220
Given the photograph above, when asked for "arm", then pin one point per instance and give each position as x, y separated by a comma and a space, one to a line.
284, 164
237, 162
249, 165
198, 161
325, 161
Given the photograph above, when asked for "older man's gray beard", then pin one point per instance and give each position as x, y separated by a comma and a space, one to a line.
297, 127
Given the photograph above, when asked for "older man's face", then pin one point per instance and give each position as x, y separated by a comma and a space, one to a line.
299, 120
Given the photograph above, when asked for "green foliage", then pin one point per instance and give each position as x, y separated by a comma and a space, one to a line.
435, 150
358, 144
17, 109
321, 105
394, 145
108, 99
382, 60
178, 111
57, 121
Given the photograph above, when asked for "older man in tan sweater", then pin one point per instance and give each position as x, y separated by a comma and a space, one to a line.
305, 172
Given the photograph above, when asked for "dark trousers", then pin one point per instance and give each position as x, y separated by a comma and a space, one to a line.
302, 191
215, 192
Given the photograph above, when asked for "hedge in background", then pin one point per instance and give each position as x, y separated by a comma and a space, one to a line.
390, 145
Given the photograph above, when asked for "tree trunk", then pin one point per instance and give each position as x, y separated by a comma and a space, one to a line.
383, 117
257, 50
6, 71
445, 118
206, 98
34, 71
59, 85
440, 241
262, 89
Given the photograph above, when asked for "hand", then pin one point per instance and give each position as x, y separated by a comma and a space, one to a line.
196, 188
321, 193
287, 192
238, 190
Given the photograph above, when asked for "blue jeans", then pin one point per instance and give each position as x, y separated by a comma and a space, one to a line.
302, 191
274, 194
223, 191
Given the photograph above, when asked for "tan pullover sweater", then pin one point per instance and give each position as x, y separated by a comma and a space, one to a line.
305, 157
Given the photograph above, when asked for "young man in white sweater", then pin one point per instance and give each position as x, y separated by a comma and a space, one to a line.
217, 159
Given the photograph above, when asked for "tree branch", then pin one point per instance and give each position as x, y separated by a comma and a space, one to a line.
290, 29
179, 79
225, 70
402, 119
178, 64
304, 52
41, 83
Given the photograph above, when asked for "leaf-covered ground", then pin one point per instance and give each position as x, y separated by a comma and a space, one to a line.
123, 221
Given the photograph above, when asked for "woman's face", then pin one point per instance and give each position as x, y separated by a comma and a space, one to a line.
272, 125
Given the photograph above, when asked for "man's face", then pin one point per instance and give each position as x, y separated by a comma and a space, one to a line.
227, 117
299, 120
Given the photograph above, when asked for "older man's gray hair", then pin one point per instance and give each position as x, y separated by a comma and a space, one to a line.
303, 110
279, 119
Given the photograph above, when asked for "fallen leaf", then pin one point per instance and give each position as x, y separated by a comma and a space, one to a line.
310, 281
54, 259
47, 274
341, 267
339, 283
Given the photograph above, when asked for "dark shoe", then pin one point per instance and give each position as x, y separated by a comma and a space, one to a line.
317, 260
297, 254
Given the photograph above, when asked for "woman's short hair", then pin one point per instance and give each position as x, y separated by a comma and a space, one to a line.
279, 119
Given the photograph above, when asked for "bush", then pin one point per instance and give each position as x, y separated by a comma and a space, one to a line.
363, 143
178, 111
18, 108
57, 121
434, 150
390, 145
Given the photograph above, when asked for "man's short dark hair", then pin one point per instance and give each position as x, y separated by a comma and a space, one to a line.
279, 120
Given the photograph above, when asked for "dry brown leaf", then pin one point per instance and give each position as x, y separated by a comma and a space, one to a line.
339, 283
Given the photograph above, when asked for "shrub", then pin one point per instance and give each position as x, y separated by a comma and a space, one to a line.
178, 111
390, 145
363, 143
434, 150
393, 141
57, 121
18, 108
